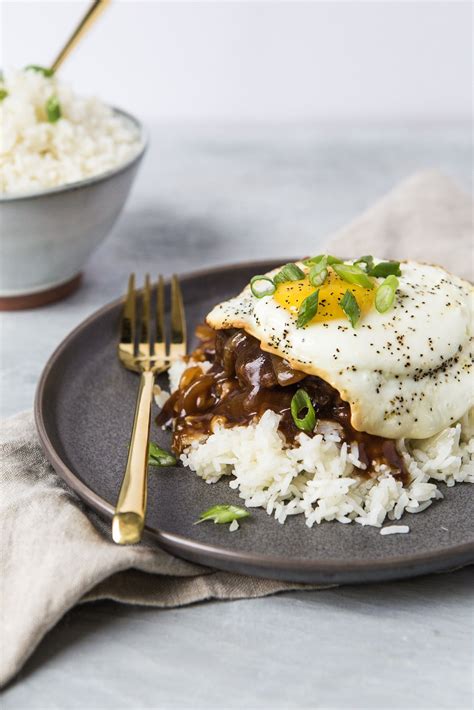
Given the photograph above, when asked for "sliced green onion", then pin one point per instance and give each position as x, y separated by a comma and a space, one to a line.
302, 411
45, 71
386, 268
368, 262
3, 94
392, 281
223, 514
289, 272
53, 109
318, 272
159, 457
267, 287
385, 294
308, 309
315, 259
350, 307
353, 275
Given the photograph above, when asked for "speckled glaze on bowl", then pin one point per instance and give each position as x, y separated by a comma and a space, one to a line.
47, 236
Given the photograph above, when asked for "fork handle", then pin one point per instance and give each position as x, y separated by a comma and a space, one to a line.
129, 517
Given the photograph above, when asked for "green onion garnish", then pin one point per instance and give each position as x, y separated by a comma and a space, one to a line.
308, 309
3, 94
367, 261
386, 268
385, 294
350, 307
267, 287
315, 259
53, 109
45, 71
223, 514
318, 272
159, 457
353, 275
302, 411
289, 272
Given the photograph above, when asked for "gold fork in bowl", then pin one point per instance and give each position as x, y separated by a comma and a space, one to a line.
148, 354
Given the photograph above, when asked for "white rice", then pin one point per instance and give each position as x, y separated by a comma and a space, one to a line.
318, 478
87, 140
161, 396
395, 529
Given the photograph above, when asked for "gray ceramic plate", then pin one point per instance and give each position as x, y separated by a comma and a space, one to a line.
84, 411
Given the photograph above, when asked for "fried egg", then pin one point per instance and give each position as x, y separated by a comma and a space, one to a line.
405, 372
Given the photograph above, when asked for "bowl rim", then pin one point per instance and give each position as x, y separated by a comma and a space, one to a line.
70, 186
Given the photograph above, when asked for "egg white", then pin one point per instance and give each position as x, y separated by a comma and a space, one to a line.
405, 373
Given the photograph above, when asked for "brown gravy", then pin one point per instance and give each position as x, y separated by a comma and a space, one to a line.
243, 382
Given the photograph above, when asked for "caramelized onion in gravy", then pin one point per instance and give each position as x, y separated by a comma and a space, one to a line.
243, 382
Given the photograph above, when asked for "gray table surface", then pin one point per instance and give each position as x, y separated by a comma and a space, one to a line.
216, 194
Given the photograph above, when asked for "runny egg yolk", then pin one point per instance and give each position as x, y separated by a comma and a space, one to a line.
291, 294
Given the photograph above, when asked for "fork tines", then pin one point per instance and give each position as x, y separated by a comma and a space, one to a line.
143, 339
178, 321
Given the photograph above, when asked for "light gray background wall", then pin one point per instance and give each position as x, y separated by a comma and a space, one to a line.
259, 60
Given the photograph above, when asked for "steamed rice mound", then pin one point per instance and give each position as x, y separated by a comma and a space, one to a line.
87, 140
319, 476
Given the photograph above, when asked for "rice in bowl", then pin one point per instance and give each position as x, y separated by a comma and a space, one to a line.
41, 149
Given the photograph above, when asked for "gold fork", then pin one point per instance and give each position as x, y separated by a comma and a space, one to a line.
85, 23
149, 356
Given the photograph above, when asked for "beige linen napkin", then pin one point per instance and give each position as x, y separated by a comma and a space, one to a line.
426, 218
55, 553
